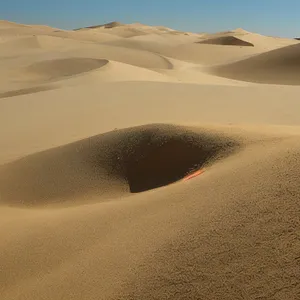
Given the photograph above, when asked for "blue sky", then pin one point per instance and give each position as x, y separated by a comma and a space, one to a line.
270, 17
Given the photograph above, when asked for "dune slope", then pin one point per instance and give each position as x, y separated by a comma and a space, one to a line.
227, 40
54, 69
232, 232
280, 66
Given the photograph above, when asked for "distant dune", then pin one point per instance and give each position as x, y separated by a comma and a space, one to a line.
227, 40
108, 25
55, 69
38, 42
131, 30
280, 66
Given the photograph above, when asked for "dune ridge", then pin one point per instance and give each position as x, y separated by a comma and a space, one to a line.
280, 66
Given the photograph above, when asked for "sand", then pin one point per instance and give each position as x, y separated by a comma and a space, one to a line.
98, 129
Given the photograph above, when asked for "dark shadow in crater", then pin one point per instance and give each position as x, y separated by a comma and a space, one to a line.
164, 165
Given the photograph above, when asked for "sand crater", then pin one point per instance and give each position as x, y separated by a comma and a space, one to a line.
161, 158
113, 164
164, 164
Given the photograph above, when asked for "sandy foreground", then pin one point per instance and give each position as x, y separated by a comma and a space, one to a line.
98, 127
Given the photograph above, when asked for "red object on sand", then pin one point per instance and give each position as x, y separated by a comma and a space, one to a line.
190, 176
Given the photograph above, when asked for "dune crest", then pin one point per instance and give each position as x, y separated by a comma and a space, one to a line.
241, 31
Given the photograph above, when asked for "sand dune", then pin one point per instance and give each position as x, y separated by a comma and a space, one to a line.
8, 24
227, 40
237, 31
19, 44
54, 69
111, 71
116, 71
135, 160
10, 30
116, 28
190, 220
157, 102
280, 66
126, 32
261, 43
131, 30
188, 50
105, 26
99, 128
25, 91
79, 71
135, 57
87, 36
15, 29
38, 42
36, 65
